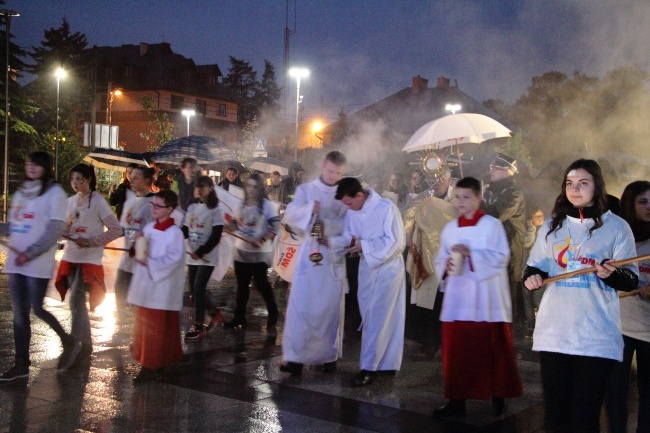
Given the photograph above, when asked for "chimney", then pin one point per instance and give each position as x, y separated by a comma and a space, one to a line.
419, 84
443, 82
143, 49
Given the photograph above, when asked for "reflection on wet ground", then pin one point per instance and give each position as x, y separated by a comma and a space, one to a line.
230, 382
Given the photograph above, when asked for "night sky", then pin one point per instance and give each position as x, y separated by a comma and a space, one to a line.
360, 51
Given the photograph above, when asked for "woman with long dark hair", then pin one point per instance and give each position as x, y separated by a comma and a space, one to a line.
635, 319
81, 269
203, 227
577, 331
36, 221
258, 222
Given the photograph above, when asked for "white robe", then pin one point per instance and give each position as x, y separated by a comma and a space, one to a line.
313, 329
382, 282
482, 292
159, 285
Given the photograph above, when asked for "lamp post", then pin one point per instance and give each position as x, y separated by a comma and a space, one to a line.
7, 14
452, 108
60, 73
297, 73
188, 114
110, 96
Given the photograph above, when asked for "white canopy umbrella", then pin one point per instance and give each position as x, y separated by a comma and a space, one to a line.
455, 129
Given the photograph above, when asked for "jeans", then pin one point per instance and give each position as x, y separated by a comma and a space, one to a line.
198, 277
80, 319
616, 400
257, 271
574, 390
27, 293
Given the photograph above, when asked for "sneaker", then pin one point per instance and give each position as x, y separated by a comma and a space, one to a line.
71, 351
15, 372
195, 332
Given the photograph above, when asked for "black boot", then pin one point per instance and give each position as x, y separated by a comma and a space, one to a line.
363, 378
499, 406
451, 409
329, 367
291, 367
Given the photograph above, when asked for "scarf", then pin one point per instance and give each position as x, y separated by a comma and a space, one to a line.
162, 226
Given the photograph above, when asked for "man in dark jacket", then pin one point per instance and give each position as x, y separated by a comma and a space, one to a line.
505, 201
183, 184
120, 193
231, 178
288, 186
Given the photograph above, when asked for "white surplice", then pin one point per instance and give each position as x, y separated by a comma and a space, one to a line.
382, 282
313, 329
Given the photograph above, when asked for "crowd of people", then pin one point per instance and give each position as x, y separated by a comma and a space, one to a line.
458, 260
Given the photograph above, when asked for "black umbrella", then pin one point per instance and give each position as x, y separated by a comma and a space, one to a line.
113, 159
205, 150
266, 164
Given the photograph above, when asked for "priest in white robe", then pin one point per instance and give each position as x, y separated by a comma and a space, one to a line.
375, 231
313, 328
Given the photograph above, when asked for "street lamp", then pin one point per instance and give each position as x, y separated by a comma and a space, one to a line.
453, 108
7, 14
188, 114
60, 73
297, 73
109, 110
315, 129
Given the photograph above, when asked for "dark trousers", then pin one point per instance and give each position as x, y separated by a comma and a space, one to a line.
27, 294
531, 300
574, 390
257, 271
616, 400
198, 277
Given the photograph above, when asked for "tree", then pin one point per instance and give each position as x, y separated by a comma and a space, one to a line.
269, 92
21, 133
242, 81
246, 150
161, 127
60, 47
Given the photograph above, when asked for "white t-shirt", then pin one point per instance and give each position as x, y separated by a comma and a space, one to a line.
136, 215
199, 220
580, 315
85, 221
253, 223
635, 311
28, 219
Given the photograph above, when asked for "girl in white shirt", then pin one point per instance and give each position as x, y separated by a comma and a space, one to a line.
36, 221
203, 227
81, 266
577, 330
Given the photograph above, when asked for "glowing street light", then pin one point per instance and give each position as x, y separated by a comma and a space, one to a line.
453, 108
316, 128
110, 96
297, 73
59, 73
7, 14
188, 114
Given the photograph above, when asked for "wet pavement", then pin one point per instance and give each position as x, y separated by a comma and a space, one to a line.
229, 382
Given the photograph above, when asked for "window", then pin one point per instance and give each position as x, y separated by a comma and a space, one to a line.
221, 110
200, 106
177, 102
